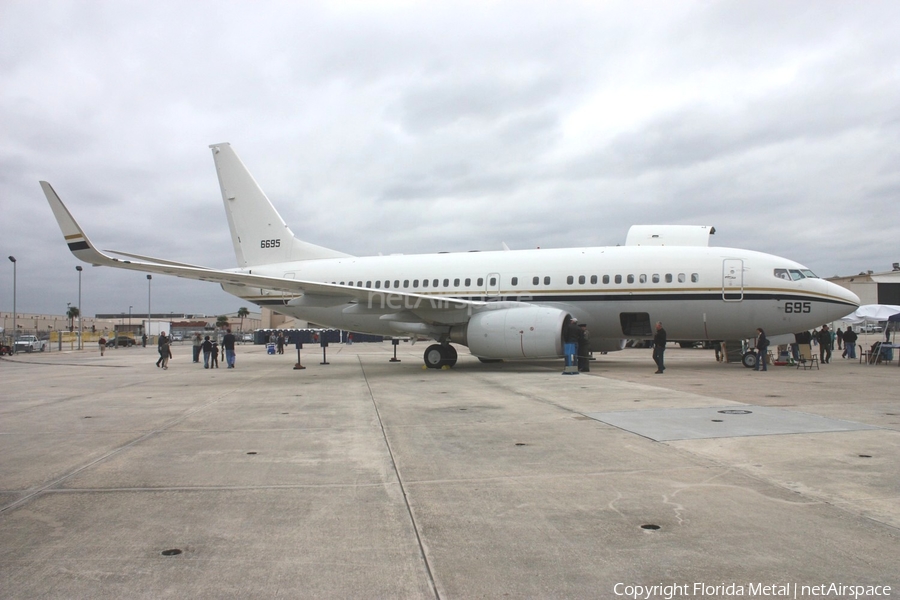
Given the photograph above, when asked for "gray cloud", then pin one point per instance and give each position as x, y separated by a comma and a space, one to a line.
422, 127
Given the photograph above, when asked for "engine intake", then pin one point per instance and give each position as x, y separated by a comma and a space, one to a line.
520, 332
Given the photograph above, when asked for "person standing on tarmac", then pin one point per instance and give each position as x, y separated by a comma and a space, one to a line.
584, 349
762, 349
659, 348
163, 347
228, 344
197, 344
207, 349
825, 344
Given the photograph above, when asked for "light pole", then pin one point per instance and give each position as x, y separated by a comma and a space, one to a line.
80, 326
149, 312
129, 318
13, 259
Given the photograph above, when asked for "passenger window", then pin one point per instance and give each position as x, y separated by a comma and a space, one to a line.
446, 283
406, 283
606, 279
642, 278
570, 280
668, 278
593, 279
514, 281
415, 283
377, 285
468, 281
681, 278
396, 283
434, 283
368, 284
581, 279
630, 278
546, 280
493, 281
456, 283
387, 284
480, 281
618, 279
695, 277
656, 278
535, 280
424, 283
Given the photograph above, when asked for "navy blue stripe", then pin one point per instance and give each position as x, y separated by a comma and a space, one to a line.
680, 297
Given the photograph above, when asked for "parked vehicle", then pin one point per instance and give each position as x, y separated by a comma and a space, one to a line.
29, 343
120, 341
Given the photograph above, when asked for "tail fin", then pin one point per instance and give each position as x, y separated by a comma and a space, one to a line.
259, 234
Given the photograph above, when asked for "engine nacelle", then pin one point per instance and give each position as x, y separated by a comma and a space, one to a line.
519, 332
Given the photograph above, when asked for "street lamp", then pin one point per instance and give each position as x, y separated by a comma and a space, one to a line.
80, 326
149, 312
13, 259
129, 318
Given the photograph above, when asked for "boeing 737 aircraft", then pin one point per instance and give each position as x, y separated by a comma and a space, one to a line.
504, 304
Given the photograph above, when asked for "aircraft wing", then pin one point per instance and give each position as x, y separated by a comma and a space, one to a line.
386, 302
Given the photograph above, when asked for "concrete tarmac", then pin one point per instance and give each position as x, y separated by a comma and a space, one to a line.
370, 479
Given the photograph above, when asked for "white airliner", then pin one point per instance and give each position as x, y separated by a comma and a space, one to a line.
505, 304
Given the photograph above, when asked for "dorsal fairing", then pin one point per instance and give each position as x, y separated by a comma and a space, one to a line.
259, 234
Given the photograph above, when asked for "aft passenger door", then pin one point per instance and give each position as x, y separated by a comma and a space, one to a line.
732, 280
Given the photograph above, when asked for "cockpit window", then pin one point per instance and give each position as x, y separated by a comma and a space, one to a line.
809, 274
782, 274
796, 275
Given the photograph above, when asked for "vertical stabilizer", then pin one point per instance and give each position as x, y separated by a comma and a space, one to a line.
259, 234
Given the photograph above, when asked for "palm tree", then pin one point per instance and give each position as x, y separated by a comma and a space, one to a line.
243, 312
72, 313
222, 322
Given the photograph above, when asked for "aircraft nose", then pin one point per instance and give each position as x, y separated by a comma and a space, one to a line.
846, 301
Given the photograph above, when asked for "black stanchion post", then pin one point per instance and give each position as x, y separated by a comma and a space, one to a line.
324, 345
395, 342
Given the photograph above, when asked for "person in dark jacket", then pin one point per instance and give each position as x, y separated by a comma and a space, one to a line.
659, 348
850, 338
824, 338
584, 348
762, 350
207, 349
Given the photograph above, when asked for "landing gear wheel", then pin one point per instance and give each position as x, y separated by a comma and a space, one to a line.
450, 355
749, 360
438, 355
434, 356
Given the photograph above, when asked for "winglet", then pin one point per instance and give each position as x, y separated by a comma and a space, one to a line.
78, 242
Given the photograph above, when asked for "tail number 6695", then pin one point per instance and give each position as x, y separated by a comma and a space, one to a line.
273, 244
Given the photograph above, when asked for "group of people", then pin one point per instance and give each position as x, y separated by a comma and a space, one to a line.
209, 348
824, 337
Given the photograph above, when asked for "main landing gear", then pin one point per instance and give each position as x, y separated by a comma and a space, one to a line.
439, 355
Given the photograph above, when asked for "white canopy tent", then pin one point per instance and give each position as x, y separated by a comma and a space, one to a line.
872, 313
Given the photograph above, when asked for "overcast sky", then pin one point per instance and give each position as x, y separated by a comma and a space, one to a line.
405, 127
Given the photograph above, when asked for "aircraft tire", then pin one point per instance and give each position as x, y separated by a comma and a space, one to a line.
749, 360
450, 355
434, 356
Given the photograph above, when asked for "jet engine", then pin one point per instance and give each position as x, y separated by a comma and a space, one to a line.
519, 332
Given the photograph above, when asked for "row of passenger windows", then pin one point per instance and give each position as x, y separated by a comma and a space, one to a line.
514, 282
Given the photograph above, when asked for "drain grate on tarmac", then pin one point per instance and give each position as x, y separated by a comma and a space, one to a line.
670, 424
